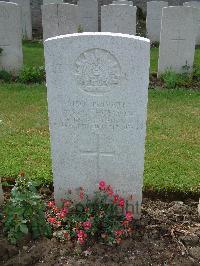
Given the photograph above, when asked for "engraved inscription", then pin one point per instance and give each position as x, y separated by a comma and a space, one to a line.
97, 71
3, 14
103, 115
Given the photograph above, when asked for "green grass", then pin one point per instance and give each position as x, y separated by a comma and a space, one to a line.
172, 160
154, 59
34, 55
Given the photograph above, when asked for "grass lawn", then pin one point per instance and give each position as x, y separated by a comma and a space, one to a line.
172, 161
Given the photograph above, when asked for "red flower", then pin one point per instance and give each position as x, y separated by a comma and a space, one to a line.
118, 240
121, 202
81, 194
52, 220
129, 216
51, 204
81, 241
81, 233
67, 235
87, 225
109, 190
119, 232
102, 185
67, 203
81, 236
125, 223
116, 198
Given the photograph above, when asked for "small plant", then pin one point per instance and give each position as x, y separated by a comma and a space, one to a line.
32, 75
24, 213
1, 50
99, 219
5, 76
80, 29
170, 79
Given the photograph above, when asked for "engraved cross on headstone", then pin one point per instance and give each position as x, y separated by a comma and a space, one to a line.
98, 153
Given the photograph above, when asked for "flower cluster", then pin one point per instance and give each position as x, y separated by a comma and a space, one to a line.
99, 219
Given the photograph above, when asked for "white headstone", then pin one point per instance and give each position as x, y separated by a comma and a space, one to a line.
177, 44
46, 2
88, 15
122, 2
25, 18
59, 19
11, 58
118, 18
197, 22
97, 100
153, 22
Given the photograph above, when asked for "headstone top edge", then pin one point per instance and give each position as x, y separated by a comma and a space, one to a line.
178, 7
111, 34
8, 3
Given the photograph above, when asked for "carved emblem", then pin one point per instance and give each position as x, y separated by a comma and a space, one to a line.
97, 71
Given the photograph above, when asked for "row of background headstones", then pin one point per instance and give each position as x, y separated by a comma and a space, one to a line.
186, 42
37, 16
64, 19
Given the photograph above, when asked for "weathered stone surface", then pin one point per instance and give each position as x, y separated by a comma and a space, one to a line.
11, 58
118, 18
197, 18
153, 21
59, 19
25, 18
45, 2
177, 44
97, 100
88, 15
122, 2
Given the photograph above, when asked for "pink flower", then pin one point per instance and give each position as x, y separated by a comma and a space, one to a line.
129, 216
52, 220
109, 190
51, 204
102, 185
119, 232
87, 225
81, 241
67, 203
121, 202
116, 198
81, 194
82, 234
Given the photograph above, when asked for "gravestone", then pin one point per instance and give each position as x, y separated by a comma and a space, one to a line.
11, 57
122, 2
177, 44
97, 101
59, 19
46, 2
197, 18
88, 10
153, 21
25, 18
118, 18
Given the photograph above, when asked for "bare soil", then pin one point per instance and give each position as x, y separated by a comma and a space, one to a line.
167, 234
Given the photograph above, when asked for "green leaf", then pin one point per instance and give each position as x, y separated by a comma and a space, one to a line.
24, 228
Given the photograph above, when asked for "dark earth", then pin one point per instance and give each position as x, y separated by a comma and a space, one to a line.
167, 234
